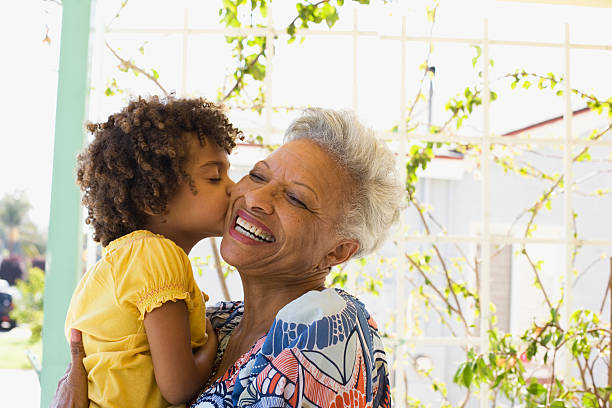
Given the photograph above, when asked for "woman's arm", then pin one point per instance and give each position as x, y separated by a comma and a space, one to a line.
178, 372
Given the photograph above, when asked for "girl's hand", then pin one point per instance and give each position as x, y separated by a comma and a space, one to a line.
206, 355
72, 387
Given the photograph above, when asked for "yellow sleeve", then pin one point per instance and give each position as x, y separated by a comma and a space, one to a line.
151, 271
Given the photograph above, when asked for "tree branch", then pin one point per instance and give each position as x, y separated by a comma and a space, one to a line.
442, 263
130, 65
243, 71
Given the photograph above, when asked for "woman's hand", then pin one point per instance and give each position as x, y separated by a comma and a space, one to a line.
72, 387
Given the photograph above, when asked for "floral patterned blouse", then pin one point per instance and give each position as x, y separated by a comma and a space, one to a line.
323, 350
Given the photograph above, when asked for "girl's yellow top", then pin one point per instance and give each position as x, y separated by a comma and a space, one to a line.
138, 273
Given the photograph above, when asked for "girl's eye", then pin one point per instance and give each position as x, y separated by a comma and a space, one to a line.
214, 180
294, 200
255, 177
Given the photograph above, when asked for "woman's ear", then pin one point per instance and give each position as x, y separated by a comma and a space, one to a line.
342, 252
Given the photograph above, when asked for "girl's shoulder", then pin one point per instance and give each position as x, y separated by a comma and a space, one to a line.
148, 249
142, 238
143, 264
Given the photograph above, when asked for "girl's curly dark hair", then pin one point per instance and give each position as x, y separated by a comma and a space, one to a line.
137, 158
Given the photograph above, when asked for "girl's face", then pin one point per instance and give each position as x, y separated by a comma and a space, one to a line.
192, 217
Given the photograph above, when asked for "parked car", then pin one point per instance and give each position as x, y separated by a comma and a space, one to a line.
6, 305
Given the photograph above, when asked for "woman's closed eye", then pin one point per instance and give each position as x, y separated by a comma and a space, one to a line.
256, 177
296, 201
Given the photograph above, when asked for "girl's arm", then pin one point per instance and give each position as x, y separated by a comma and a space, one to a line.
179, 373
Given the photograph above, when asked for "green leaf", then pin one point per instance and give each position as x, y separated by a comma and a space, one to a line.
330, 14
585, 156
554, 314
431, 14
478, 54
532, 349
258, 71
526, 85
467, 375
291, 30
535, 388
155, 74
458, 373
589, 400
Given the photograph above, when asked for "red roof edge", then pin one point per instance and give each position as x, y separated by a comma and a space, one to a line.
543, 123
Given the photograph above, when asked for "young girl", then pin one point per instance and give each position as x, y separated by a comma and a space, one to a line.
155, 183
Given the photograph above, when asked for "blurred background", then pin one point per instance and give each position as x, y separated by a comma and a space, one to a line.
493, 291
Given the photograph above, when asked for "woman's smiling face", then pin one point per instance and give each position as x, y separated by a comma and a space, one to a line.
283, 215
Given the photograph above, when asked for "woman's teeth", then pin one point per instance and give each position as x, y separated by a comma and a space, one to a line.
251, 231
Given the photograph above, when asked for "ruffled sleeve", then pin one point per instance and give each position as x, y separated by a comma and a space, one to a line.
149, 271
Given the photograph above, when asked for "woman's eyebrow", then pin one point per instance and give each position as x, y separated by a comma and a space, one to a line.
308, 187
294, 182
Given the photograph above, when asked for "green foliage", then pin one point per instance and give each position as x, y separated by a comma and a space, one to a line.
584, 339
15, 227
363, 275
29, 308
13, 209
208, 262
249, 52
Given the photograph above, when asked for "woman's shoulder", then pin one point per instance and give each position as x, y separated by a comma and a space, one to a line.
318, 320
315, 305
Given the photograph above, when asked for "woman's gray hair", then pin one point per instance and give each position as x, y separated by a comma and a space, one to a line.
378, 192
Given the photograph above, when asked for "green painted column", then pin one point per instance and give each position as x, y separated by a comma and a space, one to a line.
65, 236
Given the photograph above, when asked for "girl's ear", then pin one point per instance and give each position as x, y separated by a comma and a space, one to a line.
147, 210
342, 252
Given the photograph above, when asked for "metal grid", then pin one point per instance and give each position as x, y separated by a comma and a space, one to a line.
486, 240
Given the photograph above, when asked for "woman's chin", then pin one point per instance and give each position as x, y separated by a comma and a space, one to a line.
237, 250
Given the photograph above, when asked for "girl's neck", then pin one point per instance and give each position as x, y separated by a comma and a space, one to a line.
161, 228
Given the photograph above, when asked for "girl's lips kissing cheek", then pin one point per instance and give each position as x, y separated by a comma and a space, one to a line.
249, 231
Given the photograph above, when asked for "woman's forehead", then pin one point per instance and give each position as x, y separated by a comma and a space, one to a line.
302, 156
305, 161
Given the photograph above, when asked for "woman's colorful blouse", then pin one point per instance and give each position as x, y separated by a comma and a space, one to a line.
323, 350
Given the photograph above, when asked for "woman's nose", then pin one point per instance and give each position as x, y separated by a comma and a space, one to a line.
260, 199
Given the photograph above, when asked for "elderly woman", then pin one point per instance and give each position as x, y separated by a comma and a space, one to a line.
328, 194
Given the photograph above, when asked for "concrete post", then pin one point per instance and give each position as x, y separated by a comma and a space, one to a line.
65, 242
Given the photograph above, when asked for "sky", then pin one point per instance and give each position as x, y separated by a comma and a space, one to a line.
317, 72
